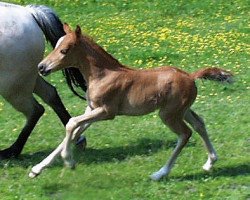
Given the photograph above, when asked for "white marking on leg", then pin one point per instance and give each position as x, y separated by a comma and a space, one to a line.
74, 126
198, 124
165, 170
210, 161
212, 156
37, 169
66, 152
156, 176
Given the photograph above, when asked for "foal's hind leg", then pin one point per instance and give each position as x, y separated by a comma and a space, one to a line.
176, 124
199, 126
32, 111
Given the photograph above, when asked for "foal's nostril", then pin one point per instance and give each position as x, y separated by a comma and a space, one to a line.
41, 67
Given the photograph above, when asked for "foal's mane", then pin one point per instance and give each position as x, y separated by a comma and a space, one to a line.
73, 75
97, 50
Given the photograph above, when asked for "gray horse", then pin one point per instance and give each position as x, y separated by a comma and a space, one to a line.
22, 46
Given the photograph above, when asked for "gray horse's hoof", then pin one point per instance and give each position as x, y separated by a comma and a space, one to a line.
81, 142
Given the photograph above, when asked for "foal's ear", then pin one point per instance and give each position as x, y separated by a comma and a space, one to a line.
66, 28
78, 31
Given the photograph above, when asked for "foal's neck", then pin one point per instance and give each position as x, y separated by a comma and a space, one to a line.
99, 62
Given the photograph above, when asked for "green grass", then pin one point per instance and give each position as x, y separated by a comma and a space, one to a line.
122, 153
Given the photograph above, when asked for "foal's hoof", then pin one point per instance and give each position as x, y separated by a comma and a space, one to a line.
81, 143
207, 167
210, 162
34, 172
70, 164
156, 176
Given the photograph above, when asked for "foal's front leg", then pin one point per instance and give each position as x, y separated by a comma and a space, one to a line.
37, 169
72, 127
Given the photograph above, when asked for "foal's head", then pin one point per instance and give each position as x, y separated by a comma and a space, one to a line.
65, 53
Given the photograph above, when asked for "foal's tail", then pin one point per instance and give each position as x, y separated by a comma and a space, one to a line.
48, 21
214, 74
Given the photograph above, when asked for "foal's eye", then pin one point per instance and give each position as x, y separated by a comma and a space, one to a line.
64, 51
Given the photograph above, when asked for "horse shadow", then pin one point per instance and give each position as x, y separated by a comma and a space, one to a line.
242, 169
144, 146
141, 147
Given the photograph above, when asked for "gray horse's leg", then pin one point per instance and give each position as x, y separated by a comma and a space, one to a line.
50, 96
32, 111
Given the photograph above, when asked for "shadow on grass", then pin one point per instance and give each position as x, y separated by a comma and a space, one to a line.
227, 171
53, 191
141, 147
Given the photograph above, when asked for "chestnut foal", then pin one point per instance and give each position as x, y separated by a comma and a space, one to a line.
125, 91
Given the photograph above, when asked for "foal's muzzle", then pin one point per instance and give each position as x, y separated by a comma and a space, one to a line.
43, 69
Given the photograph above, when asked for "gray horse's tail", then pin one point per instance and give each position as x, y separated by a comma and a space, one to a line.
48, 21
52, 28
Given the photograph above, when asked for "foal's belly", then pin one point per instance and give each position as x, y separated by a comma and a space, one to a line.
138, 108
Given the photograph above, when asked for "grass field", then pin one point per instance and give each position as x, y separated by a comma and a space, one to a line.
122, 153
